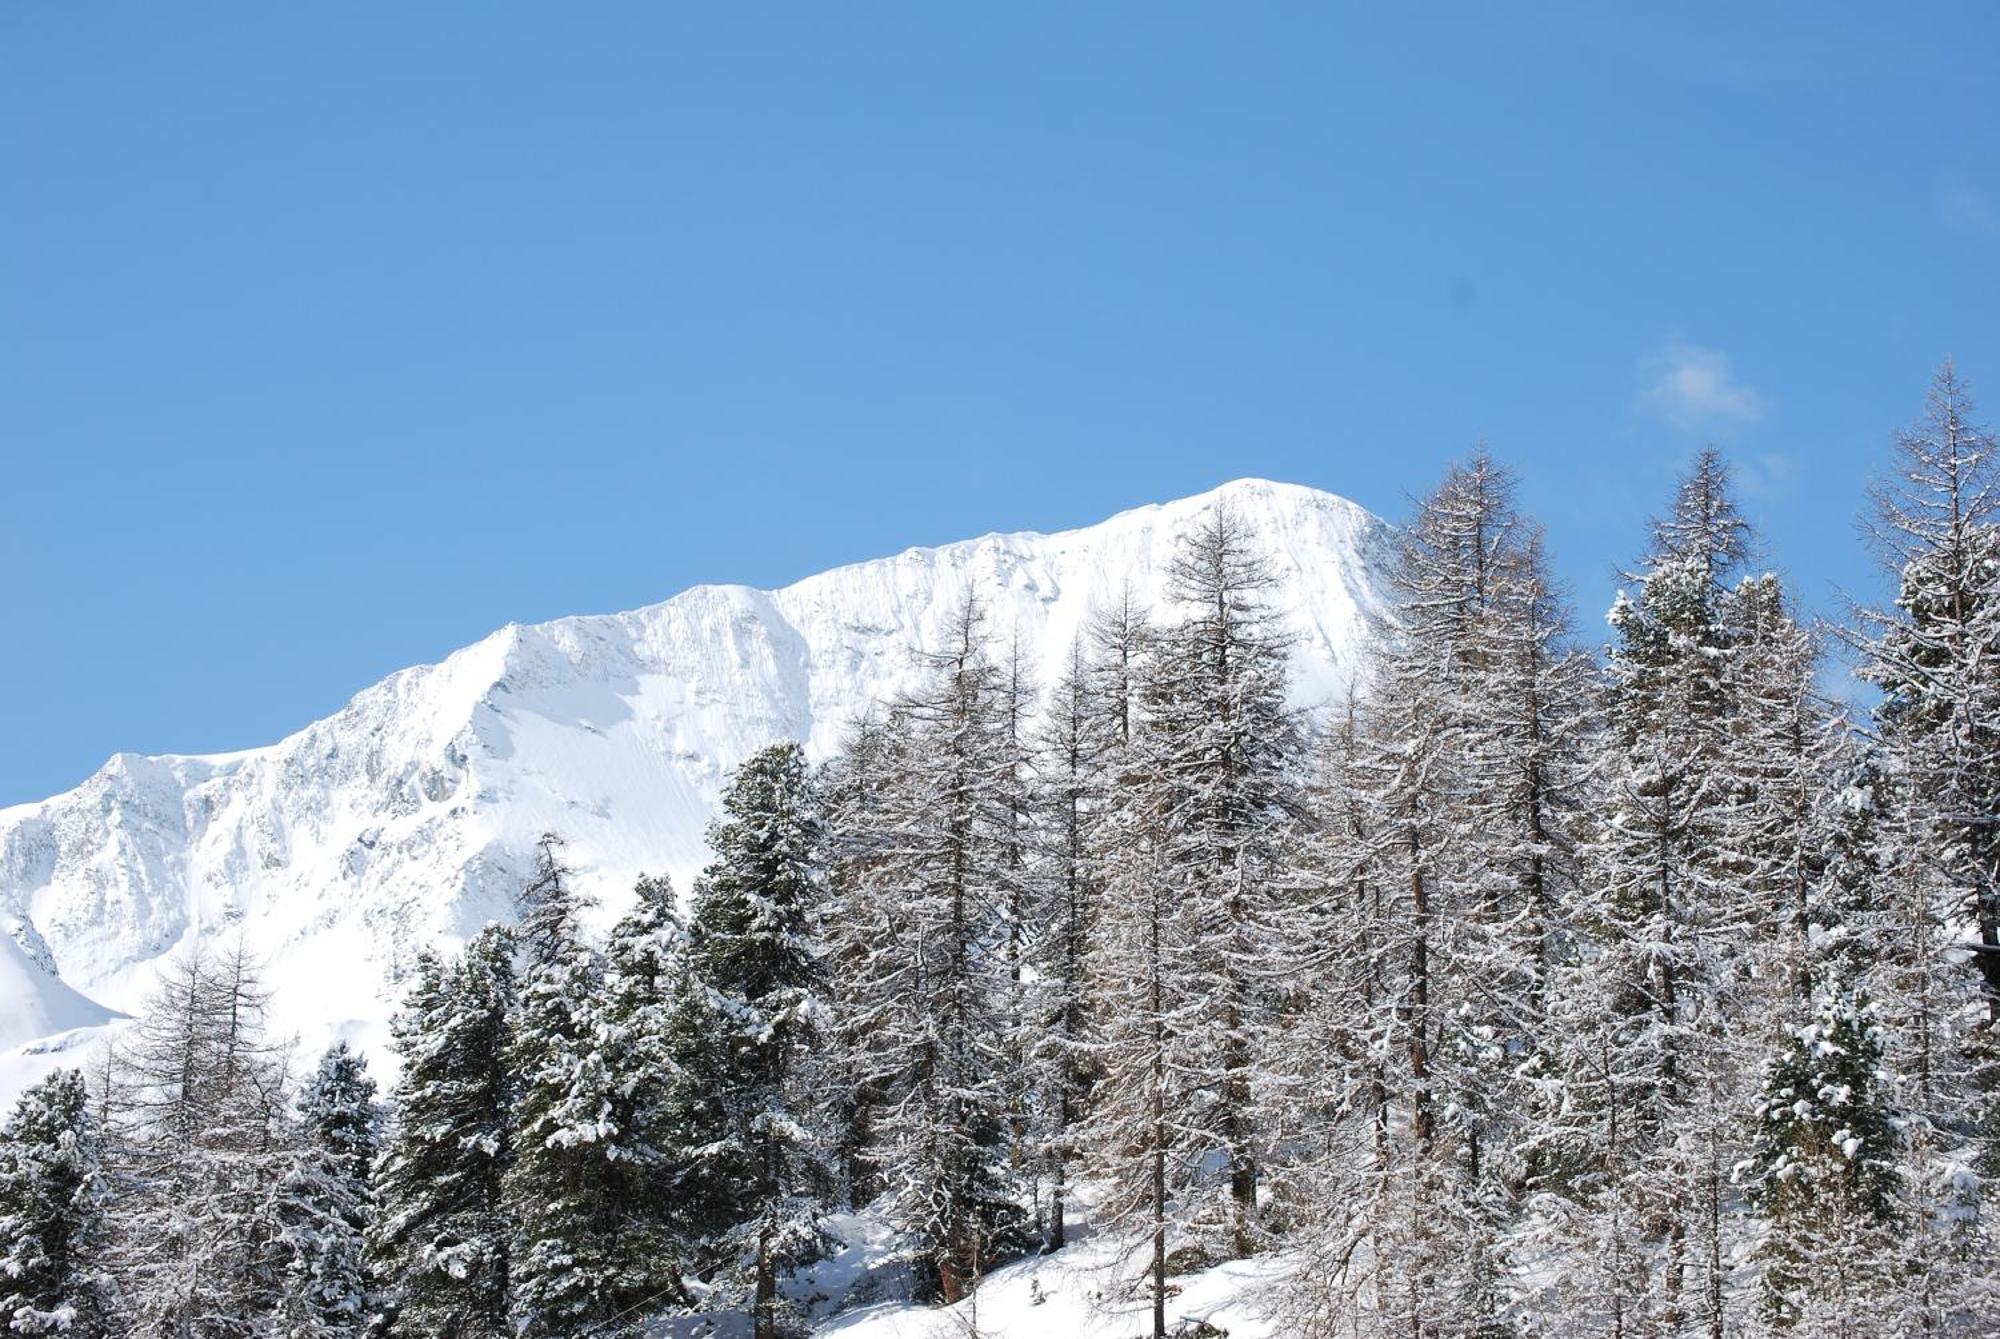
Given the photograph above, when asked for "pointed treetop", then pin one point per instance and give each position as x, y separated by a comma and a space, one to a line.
1704, 527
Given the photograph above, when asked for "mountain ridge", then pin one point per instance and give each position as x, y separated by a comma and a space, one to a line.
405, 817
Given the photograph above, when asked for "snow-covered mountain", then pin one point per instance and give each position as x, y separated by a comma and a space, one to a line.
408, 817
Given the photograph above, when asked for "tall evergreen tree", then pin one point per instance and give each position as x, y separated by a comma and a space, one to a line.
326, 1202
442, 1243
571, 1272
646, 984
1684, 911
1224, 748
1450, 861
863, 1062
1936, 981
54, 1231
755, 953
1821, 1171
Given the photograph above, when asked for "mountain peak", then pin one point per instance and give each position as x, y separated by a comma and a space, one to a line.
407, 817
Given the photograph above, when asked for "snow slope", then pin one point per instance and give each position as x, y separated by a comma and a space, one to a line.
407, 817
35, 1005
43, 1022
1088, 1290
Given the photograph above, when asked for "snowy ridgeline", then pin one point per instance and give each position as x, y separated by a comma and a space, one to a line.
408, 818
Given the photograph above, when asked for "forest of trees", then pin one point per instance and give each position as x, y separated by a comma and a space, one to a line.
1538, 989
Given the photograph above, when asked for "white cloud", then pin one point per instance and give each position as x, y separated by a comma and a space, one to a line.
1769, 474
1693, 388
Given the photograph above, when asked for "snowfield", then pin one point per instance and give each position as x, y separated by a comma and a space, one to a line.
407, 818
1074, 1293
43, 1023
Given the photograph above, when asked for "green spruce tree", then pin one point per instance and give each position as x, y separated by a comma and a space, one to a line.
441, 1244
755, 952
53, 1230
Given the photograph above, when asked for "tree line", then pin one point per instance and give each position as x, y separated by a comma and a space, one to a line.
1526, 991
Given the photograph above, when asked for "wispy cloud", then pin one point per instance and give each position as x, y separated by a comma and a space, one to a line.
1693, 388
1769, 474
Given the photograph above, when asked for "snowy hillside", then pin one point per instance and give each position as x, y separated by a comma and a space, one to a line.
43, 1022
407, 817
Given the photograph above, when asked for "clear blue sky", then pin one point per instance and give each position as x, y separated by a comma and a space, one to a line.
333, 337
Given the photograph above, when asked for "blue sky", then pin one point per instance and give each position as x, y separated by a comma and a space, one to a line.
333, 337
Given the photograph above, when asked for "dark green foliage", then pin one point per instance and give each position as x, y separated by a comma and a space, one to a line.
442, 1244
1822, 1165
53, 1233
752, 1025
570, 1269
326, 1202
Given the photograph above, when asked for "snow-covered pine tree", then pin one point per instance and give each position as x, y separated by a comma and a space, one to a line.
1202, 789
339, 1111
1225, 747
1119, 634
1821, 1171
1796, 754
1018, 909
325, 1201
931, 985
1683, 924
442, 1241
645, 986
1071, 747
1419, 1234
861, 1061
755, 953
199, 1149
1446, 865
53, 1229
571, 1272
1936, 982
1134, 1133
1336, 1191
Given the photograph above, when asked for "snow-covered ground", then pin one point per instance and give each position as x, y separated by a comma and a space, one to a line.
1083, 1291
1066, 1294
407, 818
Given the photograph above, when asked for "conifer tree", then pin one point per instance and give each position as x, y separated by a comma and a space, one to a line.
1338, 1188
1201, 797
1019, 913
199, 1149
755, 954
1821, 1171
1936, 975
931, 987
325, 1202
1071, 750
54, 1233
571, 1273
1449, 863
862, 1066
646, 982
1224, 746
442, 1242
1684, 912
